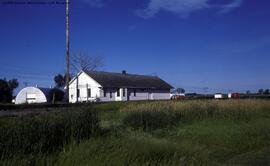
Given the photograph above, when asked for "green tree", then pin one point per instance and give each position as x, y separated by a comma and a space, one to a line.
7, 88
266, 92
59, 81
3, 84
260, 91
13, 84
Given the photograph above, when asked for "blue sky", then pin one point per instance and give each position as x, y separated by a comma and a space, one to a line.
200, 45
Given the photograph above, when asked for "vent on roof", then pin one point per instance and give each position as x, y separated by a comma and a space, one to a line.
124, 72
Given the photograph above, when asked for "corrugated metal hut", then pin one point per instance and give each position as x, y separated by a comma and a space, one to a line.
38, 95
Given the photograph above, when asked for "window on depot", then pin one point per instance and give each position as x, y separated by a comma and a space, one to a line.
110, 94
124, 92
104, 93
118, 92
89, 92
134, 92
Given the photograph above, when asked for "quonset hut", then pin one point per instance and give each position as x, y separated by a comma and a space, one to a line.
38, 95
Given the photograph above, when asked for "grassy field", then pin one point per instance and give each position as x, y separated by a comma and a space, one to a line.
206, 132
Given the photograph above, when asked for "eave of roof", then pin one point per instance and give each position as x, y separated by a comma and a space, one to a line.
117, 80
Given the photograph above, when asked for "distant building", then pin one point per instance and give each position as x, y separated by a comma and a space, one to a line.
108, 86
233, 95
38, 95
175, 93
219, 96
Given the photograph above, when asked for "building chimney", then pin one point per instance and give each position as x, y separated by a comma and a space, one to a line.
36, 85
124, 72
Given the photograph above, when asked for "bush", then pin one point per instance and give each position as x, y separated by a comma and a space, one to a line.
56, 95
46, 133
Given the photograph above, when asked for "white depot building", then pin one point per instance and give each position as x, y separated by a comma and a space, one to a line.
108, 86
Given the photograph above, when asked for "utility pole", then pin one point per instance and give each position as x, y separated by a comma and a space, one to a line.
67, 50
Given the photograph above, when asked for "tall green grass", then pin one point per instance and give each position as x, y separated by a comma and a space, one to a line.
47, 133
153, 115
227, 132
132, 148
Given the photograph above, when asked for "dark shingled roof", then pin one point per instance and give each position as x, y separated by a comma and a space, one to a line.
118, 80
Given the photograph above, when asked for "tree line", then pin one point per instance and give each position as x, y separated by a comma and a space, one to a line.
7, 88
263, 91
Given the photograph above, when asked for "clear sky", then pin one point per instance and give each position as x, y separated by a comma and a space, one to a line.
199, 45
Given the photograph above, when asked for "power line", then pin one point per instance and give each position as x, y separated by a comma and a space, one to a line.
40, 77
24, 69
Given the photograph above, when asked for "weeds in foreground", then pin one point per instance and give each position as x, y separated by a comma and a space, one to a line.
144, 133
45, 134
